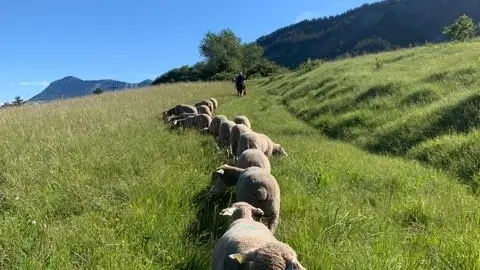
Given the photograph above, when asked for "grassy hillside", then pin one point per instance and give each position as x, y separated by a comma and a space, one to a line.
379, 26
101, 183
421, 103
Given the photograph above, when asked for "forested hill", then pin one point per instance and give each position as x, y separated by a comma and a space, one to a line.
369, 28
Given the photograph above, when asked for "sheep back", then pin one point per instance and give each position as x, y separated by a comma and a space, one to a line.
215, 125
241, 236
235, 133
241, 119
204, 109
259, 188
253, 158
224, 132
214, 102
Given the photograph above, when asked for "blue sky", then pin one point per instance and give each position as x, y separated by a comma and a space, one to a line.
42, 41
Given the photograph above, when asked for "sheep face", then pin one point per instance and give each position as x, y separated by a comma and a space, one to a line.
219, 186
278, 150
172, 124
241, 210
275, 256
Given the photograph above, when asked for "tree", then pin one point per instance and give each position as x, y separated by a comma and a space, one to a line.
222, 52
97, 91
252, 58
18, 101
462, 29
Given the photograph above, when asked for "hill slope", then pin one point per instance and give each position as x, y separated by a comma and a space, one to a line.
70, 86
421, 103
369, 28
100, 182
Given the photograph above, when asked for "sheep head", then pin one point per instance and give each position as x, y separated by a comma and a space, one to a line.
278, 150
242, 210
218, 183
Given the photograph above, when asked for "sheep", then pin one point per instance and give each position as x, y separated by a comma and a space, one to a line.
207, 103
181, 116
215, 125
241, 119
262, 142
215, 102
253, 185
204, 109
253, 157
246, 241
224, 134
243, 234
179, 109
273, 255
235, 133
200, 121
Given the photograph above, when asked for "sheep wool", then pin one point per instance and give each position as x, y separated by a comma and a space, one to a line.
204, 109
207, 103
254, 185
215, 125
241, 119
253, 158
224, 133
243, 234
235, 133
179, 109
200, 121
262, 142
181, 116
215, 102
274, 255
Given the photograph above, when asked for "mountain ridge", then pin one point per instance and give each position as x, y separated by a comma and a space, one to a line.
369, 28
71, 86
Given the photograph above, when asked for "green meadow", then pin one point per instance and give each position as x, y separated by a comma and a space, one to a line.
381, 173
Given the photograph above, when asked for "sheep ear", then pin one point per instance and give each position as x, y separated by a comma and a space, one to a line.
239, 257
227, 211
258, 212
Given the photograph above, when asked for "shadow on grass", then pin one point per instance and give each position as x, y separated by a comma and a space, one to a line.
459, 118
208, 224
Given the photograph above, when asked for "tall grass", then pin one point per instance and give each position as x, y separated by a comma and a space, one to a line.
417, 95
100, 182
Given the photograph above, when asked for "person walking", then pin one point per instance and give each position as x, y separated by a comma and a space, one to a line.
240, 84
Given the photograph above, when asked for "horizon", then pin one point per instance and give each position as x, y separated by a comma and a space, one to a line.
148, 40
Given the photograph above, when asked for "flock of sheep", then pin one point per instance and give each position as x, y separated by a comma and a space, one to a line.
248, 243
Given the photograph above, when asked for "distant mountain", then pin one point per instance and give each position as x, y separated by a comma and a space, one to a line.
370, 28
70, 87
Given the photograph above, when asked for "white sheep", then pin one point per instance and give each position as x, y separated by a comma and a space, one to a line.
253, 158
207, 103
180, 117
224, 134
215, 102
215, 125
179, 109
235, 133
204, 109
241, 119
200, 121
253, 185
255, 140
246, 240
274, 255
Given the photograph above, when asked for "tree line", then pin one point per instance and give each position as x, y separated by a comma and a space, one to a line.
224, 55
